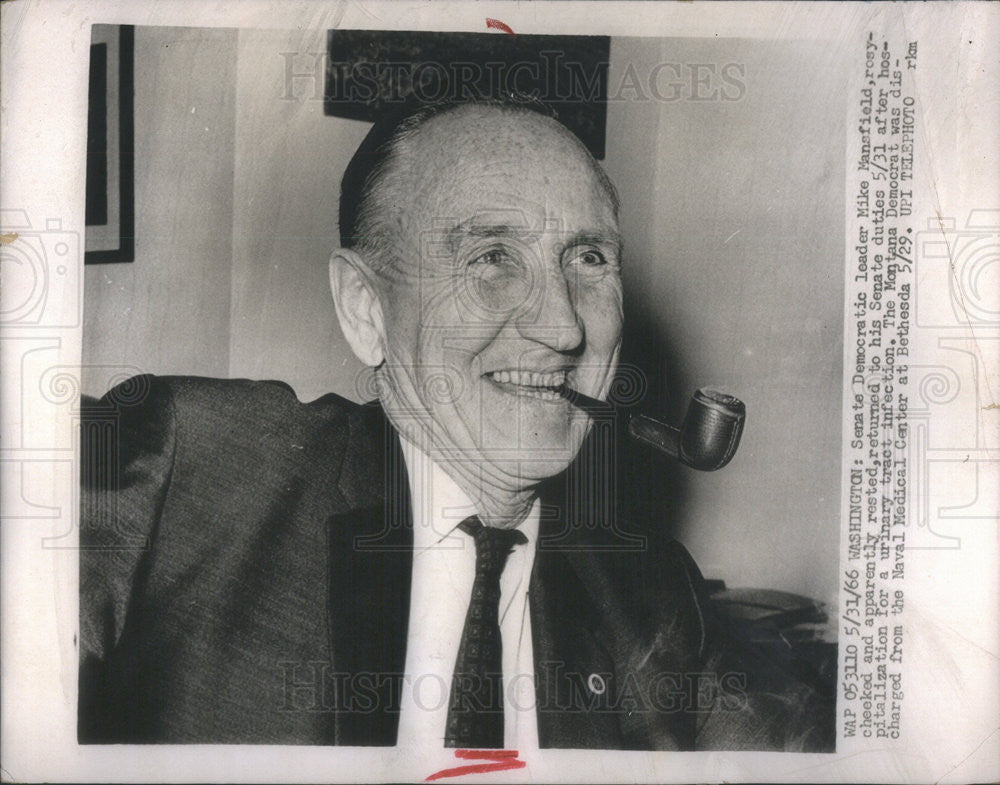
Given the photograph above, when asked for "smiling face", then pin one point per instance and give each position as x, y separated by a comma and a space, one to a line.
504, 283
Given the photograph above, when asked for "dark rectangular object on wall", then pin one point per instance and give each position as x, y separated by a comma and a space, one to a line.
97, 137
372, 71
110, 194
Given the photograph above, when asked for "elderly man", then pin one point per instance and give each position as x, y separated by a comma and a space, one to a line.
436, 567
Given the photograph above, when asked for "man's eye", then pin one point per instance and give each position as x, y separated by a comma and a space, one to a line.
592, 258
491, 257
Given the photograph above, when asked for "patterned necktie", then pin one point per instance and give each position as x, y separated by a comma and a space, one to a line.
475, 711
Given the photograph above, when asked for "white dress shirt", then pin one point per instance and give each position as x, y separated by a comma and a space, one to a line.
444, 569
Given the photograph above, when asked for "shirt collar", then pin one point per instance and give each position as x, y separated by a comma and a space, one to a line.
439, 505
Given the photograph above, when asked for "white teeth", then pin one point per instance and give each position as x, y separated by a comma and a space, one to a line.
541, 381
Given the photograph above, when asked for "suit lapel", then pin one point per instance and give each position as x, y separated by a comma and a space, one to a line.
573, 668
370, 566
614, 640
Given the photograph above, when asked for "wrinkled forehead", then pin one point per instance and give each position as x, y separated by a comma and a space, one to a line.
515, 167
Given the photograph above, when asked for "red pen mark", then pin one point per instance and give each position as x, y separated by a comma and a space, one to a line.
496, 24
501, 760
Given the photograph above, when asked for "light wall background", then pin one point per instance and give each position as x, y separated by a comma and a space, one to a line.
733, 219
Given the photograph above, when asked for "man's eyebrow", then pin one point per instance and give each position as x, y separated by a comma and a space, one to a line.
489, 230
525, 234
600, 237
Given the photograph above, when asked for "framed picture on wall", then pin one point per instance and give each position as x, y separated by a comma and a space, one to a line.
110, 203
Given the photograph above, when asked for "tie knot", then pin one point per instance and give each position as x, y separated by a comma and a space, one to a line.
493, 545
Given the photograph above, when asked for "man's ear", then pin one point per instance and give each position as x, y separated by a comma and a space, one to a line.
353, 286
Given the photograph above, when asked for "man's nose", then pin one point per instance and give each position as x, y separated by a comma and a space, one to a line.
552, 318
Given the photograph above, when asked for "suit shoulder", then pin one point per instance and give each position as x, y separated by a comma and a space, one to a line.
259, 396
181, 396
666, 562
222, 417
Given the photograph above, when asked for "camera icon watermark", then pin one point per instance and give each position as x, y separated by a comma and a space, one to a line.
958, 271
40, 267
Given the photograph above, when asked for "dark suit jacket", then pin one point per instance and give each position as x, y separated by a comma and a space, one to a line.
245, 577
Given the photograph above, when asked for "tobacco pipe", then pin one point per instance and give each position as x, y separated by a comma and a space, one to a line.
707, 438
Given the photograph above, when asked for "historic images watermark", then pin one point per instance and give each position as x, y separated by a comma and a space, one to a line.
316, 687
552, 79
